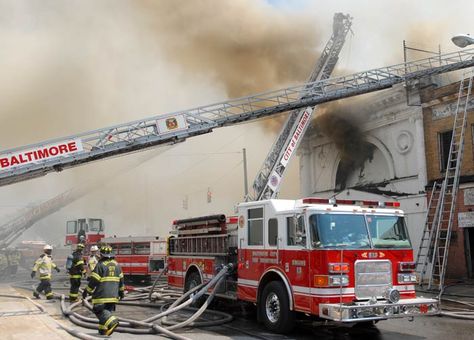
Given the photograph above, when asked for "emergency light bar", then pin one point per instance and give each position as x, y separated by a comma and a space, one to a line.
333, 201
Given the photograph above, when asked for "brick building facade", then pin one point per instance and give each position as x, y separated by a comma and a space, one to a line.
439, 107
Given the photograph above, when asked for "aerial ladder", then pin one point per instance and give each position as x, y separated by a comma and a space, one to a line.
433, 252
26, 162
12, 229
267, 181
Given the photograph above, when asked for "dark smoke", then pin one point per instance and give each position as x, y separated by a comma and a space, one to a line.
246, 46
337, 122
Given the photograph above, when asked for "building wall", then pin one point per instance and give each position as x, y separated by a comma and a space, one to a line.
439, 107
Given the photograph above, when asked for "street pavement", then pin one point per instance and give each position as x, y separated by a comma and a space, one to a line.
30, 323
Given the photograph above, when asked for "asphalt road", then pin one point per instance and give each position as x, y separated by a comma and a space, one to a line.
246, 327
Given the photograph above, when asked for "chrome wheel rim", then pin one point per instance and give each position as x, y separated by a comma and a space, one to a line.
272, 307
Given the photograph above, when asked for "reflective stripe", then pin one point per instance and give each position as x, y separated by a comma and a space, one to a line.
75, 276
45, 277
89, 289
121, 275
104, 300
110, 279
122, 288
102, 327
79, 262
107, 323
73, 294
49, 294
95, 276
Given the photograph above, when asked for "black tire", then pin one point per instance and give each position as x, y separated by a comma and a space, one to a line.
274, 308
194, 280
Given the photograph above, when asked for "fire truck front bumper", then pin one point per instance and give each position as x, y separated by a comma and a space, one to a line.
381, 310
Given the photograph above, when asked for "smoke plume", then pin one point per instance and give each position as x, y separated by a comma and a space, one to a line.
340, 121
246, 46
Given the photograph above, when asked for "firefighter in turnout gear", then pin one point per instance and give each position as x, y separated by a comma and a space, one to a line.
44, 264
107, 287
92, 261
76, 270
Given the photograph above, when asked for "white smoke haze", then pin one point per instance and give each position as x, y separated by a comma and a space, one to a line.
67, 67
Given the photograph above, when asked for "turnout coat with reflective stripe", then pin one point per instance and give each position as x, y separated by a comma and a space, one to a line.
43, 265
105, 282
77, 268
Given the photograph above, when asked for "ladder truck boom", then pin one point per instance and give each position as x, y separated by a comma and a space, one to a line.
36, 160
268, 179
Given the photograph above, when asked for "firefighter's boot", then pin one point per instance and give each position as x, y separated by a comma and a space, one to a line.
109, 327
36, 295
114, 324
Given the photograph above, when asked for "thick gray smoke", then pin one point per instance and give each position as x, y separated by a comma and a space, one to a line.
70, 67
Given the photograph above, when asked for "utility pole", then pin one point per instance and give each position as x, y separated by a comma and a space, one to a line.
246, 185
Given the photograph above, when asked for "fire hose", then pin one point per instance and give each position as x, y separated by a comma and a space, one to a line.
148, 326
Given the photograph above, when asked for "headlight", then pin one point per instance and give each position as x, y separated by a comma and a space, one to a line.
407, 278
338, 280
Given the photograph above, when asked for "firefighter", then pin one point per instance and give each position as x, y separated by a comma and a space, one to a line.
76, 269
107, 287
44, 264
92, 261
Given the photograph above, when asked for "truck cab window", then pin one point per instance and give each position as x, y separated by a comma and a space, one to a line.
71, 227
272, 232
296, 234
338, 230
95, 224
255, 227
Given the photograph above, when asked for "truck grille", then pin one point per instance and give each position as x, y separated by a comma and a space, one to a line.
372, 278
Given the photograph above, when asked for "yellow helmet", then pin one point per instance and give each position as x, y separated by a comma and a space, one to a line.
106, 251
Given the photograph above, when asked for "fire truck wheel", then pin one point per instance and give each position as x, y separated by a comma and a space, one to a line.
194, 280
275, 308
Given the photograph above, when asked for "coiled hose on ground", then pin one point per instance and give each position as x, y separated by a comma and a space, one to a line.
159, 296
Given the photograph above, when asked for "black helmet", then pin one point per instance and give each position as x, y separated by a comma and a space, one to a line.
106, 251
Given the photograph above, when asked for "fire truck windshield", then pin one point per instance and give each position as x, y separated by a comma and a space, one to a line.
388, 231
329, 230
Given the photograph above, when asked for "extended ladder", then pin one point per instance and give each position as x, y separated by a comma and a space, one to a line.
268, 179
33, 160
449, 190
425, 250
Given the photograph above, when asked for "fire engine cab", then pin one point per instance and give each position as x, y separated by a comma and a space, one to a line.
344, 261
84, 230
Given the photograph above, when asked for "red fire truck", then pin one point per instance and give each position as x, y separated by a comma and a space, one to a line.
139, 257
85, 230
344, 261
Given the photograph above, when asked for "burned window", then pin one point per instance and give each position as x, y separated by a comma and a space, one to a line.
255, 227
444, 144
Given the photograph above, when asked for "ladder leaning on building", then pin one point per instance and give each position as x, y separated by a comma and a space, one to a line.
432, 258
